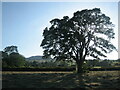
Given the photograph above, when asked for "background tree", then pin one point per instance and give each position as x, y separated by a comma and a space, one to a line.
11, 57
16, 60
11, 49
4, 59
87, 33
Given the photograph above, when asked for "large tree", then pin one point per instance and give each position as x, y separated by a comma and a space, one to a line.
87, 33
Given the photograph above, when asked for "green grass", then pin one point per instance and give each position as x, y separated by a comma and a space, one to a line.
93, 79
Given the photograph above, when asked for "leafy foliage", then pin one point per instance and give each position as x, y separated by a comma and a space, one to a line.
11, 57
79, 36
87, 33
16, 60
11, 49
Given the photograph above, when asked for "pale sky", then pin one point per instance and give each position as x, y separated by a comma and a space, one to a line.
23, 22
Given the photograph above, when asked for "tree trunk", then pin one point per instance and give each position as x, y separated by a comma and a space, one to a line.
79, 64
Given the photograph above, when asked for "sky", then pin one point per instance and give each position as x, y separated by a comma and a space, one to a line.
23, 22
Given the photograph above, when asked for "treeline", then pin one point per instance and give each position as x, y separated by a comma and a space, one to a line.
103, 63
70, 63
12, 60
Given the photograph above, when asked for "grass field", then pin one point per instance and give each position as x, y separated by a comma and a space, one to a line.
93, 79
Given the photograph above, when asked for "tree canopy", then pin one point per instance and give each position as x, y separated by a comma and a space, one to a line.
11, 57
11, 49
87, 33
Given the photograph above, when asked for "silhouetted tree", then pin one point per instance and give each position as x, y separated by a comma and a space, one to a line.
11, 57
11, 49
87, 33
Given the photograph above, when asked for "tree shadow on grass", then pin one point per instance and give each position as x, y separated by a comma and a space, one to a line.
85, 81
42, 80
67, 81
60, 80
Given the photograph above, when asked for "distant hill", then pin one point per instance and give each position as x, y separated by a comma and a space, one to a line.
37, 58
